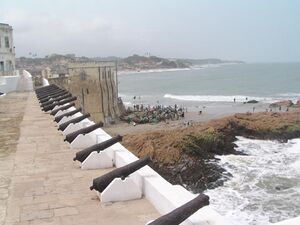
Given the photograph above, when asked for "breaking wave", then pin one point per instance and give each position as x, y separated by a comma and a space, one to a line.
265, 187
218, 98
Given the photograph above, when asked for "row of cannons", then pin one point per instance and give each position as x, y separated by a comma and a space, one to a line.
98, 150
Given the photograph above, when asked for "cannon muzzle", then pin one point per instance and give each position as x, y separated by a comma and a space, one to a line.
177, 216
53, 112
83, 154
63, 126
70, 137
102, 182
67, 100
58, 118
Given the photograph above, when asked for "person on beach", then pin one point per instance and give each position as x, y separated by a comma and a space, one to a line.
253, 109
234, 100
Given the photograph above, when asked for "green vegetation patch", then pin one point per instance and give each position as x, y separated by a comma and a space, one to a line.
206, 144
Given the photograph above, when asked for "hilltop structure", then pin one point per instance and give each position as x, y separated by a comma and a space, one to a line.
7, 50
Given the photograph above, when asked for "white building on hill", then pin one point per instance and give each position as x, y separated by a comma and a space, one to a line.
7, 50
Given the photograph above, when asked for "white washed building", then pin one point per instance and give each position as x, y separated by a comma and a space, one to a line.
7, 50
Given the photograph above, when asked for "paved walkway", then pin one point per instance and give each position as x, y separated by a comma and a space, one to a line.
12, 107
47, 187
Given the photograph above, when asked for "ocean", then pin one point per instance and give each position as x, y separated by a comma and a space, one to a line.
265, 183
265, 187
191, 88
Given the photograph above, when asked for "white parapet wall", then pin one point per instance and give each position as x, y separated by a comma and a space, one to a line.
25, 82
164, 196
19, 82
45, 82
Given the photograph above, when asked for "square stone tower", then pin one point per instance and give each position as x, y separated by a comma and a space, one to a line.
7, 50
96, 86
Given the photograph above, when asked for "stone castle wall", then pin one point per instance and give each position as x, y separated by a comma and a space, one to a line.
95, 87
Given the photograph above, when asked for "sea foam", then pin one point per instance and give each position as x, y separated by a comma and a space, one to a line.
265, 186
218, 98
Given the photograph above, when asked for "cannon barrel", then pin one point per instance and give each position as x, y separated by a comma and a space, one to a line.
56, 99
59, 98
83, 154
53, 112
180, 214
47, 91
42, 89
67, 100
61, 92
44, 92
70, 113
63, 126
45, 99
70, 137
102, 182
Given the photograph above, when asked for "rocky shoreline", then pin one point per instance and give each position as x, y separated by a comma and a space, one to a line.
186, 156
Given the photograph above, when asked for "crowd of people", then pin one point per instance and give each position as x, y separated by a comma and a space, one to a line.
141, 114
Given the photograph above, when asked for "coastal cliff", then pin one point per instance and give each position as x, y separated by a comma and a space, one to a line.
186, 155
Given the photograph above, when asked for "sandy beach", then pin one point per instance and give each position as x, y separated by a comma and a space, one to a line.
213, 111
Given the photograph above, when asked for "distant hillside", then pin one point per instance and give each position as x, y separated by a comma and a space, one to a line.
137, 62
59, 63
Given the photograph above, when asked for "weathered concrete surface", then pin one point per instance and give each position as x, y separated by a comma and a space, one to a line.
11, 114
47, 187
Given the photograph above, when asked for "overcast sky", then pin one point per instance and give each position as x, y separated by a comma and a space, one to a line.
249, 30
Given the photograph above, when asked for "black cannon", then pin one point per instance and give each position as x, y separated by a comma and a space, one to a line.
102, 182
47, 92
70, 137
53, 112
83, 154
180, 214
55, 95
61, 92
67, 100
46, 88
63, 126
70, 113
57, 99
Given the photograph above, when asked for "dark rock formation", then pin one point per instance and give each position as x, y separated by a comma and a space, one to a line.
252, 101
186, 156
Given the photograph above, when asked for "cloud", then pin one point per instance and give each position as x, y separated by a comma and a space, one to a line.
46, 33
